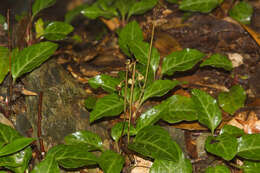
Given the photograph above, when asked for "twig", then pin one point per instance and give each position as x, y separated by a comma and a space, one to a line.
10, 63
131, 102
39, 131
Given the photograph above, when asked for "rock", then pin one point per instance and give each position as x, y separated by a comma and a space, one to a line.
62, 105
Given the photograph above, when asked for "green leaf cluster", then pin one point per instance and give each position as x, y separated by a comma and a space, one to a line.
15, 152
113, 8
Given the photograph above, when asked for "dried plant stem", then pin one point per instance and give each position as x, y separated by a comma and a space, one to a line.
39, 126
131, 101
147, 70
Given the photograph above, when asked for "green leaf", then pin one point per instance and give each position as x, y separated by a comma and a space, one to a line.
181, 61
2, 20
4, 63
107, 83
249, 146
23, 158
203, 6
141, 71
141, 7
209, 113
242, 12
123, 6
39, 5
231, 101
251, 166
166, 166
91, 140
48, 165
159, 88
90, 102
140, 49
74, 12
110, 105
19, 159
155, 142
16, 145
231, 130
136, 93
180, 108
151, 116
111, 162
217, 169
218, 61
31, 57
39, 28
224, 146
131, 32
172, 1
97, 10
56, 31
74, 156
116, 131
8, 134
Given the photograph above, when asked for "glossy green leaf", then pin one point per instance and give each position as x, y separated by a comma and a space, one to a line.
74, 156
39, 28
140, 49
249, 146
224, 146
180, 108
159, 88
141, 7
106, 82
111, 162
251, 166
231, 101
166, 166
39, 5
217, 169
74, 12
48, 165
218, 61
55, 31
209, 113
16, 145
116, 131
231, 130
91, 140
22, 158
110, 105
131, 32
19, 159
4, 62
8, 134
181, 61
151, 116
155, 142
242, 12
97, 10
203, 6
90, 102
31, 57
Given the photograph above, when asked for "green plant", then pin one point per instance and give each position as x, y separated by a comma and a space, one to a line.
19, 62
115, 8
127, 94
